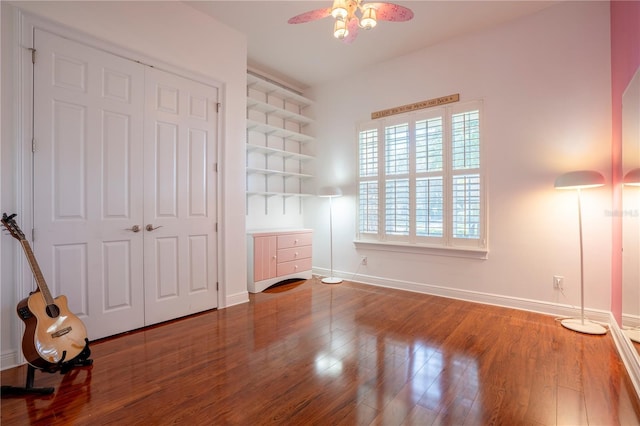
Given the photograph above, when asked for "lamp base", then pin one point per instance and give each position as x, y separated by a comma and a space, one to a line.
586, 326
332, 280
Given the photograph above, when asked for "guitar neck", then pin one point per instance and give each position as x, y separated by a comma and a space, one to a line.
37, 273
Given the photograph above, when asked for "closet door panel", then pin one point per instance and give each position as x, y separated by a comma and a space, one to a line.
115, 153
165, 169
87, 181
180, 193
197, 167
68, 168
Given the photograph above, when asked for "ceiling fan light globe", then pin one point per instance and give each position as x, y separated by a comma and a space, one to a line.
339, 9
368, 20
340, 30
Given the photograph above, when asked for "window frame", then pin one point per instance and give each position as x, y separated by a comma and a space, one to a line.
448, 242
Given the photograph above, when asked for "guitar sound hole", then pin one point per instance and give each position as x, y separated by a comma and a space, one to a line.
53, 311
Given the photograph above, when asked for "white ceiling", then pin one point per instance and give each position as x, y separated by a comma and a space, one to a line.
304, 55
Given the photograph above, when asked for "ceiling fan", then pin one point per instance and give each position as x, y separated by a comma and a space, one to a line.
350, 15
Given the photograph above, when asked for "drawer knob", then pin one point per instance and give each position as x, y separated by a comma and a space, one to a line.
295, 254
295, 241
295, 267
274, 257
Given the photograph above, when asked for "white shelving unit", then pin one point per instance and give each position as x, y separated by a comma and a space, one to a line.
277, 162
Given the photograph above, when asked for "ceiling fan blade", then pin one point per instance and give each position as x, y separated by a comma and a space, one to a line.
312, 15
352, 26
392, 12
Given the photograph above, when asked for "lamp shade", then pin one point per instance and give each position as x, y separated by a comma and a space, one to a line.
580, 179
330, 191
632, 178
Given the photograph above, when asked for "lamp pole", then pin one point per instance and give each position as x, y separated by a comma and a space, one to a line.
579, 180
331, 192
581, 256
331, 233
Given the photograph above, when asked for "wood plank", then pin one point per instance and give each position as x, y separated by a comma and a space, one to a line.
311, 353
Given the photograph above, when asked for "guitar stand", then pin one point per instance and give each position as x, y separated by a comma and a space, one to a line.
28, 389
82, 360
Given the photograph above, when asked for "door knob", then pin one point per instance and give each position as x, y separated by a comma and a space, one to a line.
150, 227
134, 228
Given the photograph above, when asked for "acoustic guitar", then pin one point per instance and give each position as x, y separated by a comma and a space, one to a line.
53, 335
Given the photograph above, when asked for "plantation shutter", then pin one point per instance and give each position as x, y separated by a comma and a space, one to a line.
465, 138
429, 177
396, 164
368, 208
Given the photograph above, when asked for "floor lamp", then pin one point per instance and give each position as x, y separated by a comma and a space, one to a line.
580, 180
331, 192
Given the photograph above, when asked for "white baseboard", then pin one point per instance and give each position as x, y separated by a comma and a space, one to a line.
628, 353
630, 320
9, 360
538, 306
235, 299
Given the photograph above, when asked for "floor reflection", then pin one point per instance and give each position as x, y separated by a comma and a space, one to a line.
71, 398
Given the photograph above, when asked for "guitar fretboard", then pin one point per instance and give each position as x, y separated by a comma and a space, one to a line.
37, 273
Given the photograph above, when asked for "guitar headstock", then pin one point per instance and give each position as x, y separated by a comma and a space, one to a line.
12, 226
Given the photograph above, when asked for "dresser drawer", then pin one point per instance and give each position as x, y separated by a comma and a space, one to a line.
295, 266
295, 240
295, 253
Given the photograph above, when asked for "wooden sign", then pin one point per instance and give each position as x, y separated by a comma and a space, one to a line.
418, 105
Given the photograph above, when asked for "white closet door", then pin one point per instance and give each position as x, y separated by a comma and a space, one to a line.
87, 183
179, 196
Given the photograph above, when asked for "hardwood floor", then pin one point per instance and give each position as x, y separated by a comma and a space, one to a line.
346, 354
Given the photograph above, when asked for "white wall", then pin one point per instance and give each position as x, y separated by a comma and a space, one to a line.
545, 82
9, 339
171, 33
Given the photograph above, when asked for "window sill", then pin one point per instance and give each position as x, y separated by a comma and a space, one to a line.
396, 247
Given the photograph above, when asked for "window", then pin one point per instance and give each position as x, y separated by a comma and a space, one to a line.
420, 178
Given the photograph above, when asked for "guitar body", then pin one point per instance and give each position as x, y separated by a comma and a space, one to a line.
52, 333
53, 337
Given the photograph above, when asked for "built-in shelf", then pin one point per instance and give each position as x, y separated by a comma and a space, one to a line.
271, 130
280, 194
278, 152
269, 172
265, 86
274, 111
276, 137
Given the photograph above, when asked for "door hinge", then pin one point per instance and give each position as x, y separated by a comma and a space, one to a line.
218, 105
215, 167
33, 145
33, 235
33, 54
217, 286
216, 226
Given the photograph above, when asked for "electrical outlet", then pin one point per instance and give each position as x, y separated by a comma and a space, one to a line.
558, 282
363, 260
